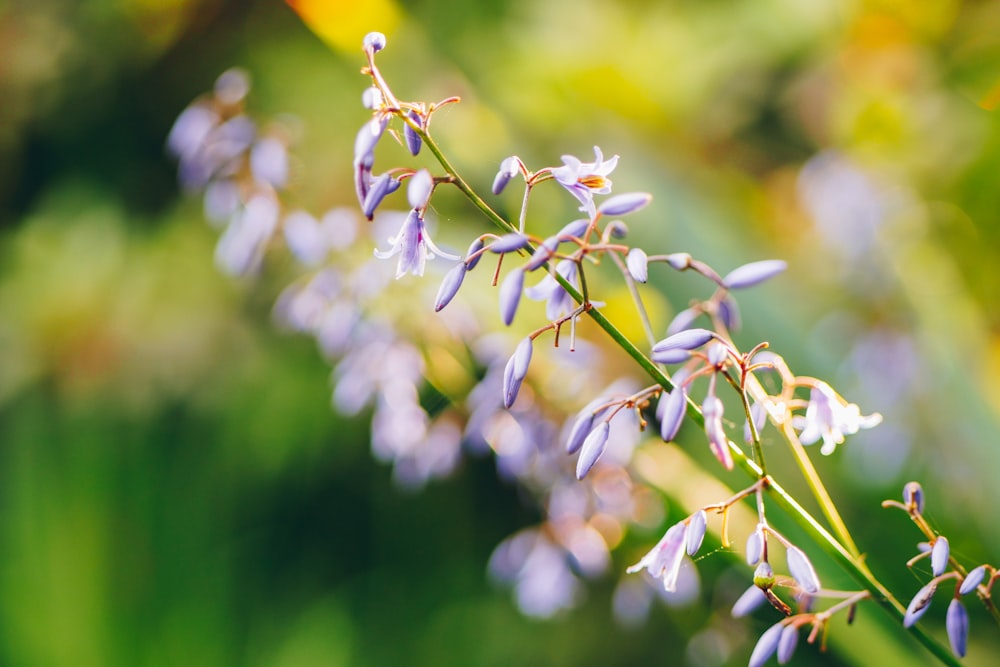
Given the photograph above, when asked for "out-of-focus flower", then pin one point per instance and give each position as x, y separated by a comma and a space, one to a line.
830, 417
585, 179
241, 247
540, 572
557, 300
637, 264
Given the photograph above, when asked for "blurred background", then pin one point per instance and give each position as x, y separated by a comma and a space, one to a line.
174, 485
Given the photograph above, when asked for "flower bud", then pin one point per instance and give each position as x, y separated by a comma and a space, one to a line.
474, 248
637, 263
373, 42
543, 253
913, 496
755, 545
371, 98
751, 599
382, 186
574, 230
674, 404
670, 356
696, 532
689, 339
509, 168
972, 579
763, 576
419, 191
515, 370
754, 273
413, 140
625, 204
939, 555
509, 243
593, 448
919, 605
802, 570
679, 260
510, 295
957, 624
729, 312
786, 643
766, 645
450, 286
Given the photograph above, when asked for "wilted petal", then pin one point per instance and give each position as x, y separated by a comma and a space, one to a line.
510, 295
625, 204
674, 404
939, 555
413, 140
419, 189
802, 570
754, 273
593, 448
688, 339
957, 623
972, 579
786, 643
638, 265
696, 532
450, 286
766, 645
919, 605
509, 243
751, 599
514, 372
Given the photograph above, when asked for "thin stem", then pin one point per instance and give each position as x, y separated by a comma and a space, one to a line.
633, 290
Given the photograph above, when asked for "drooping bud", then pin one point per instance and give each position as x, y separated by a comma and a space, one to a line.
593, 448
712, 409
689, 339
766, 645
543, 253
368, 137
515, 370
419, 190
582, 427
373, 42
696, 532
763, 576
939, 555
574, 230
382, 186
754, 273
751, 599
729, 312
617, 229
474, 249
670, 356
638, 265
509, 243
786, 643
413, 140
674, 404
957, 624
371, 98
450, 286
972, 579
802, 570
755, 545
625, 204
510, 295
509, 168
919, 605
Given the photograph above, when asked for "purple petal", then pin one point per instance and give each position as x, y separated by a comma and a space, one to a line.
420, 188
368, 136
378, 189
593, 448
919, 605
582, 427
514, 372
972, 579
696, 532
759, 415
625, 204
957, 623
509, 243
939, 555
413, 140
754, 273
802, 570
637, 263
766, 645
509, 168
543, 253
786, 643
674, 406
682, 320
510, 295
688, 339
670, 356
729, 312
449, 286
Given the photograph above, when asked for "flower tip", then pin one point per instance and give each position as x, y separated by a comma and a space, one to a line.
373, 42
754, 273
450, 286
957, 624
593, 448
625, 204
638, 264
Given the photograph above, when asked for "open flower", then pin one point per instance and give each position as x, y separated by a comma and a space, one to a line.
585, 179
413, 245
664, 560
830, 417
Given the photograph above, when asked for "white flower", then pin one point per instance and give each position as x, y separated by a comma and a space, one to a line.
585, 179
413, 245
830, 417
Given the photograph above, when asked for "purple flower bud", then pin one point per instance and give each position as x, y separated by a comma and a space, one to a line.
367, 138
920, 603
729, 312
957, 623
674, 404
515, 370
754, 273
717, 354
449, 286
420, 188
786, 643
637, 263
802, 570
670, 356
751, 599
582, 427
509, 243
766, 645
617, 229
543, 253
755, 545
939, 555
625, 204
232, 86
913, 496
474, 248
682, 320
413, 140
689, 339
574, 230
510, 295
382, 186
712, 410
696, 532
679, 260
509, 168
374, 42
972, 579
593, 448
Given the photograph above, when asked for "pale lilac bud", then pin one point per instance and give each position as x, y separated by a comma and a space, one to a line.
972, 579
382, 186
802, 570
682, 320
515, 370
474, 248
786, 643
449, 286
679, 260
939, 555
582, 427
670, 356
510, 295
509, 168
696, 532
674, 404
374, 42
625, 204
509, 243
593, 448
957, 623
712, 410
419, 190
689, 339
729, 312
913, 496
751, 599
371, 98
755, 545
637, 263
617, 229
413, 140
717, 354
754, 273
766, 645
574, 230
543, 253
920, 603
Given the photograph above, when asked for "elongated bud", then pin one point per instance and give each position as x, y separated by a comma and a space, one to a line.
751, 600
582, 427
802, 570
972, 579
913, 496
939, 555
786, 643
625, 204
919, 605
509, 168
729, 312
474, 248
574, 230
413, 140
754, 273
755, 546
510, 295
368, 137
420, 188
696, 532
450, 286
674, 404
543, 253
670, 356
957, 624
688, 339
379, 189
682, 320
374, 42
766, 645
593, 448
515, 370
637, 263
509, 243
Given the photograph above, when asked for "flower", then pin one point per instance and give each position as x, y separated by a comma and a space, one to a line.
585, 179
664, 560
413, 245
830, 417
558, 301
